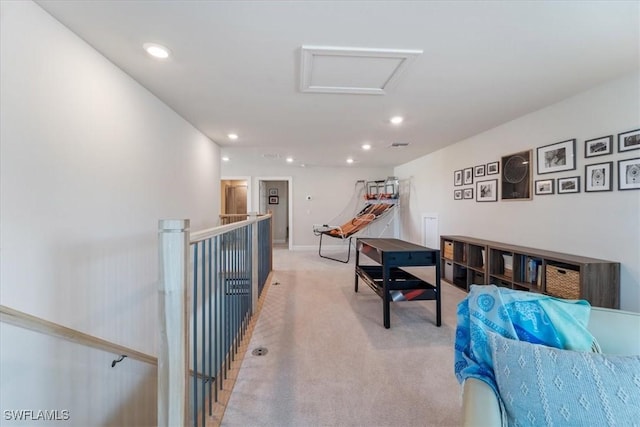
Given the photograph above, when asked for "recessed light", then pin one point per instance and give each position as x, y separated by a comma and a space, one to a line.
349, 160
289, 159
302, 165
225, 159
366, 146
156, 50
396, 120
233, 136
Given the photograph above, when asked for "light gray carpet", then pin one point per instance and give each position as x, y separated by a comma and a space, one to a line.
331, 362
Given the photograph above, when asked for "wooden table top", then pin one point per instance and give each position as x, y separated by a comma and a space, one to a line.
394, 245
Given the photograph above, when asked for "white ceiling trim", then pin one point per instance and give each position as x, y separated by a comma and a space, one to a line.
400, 58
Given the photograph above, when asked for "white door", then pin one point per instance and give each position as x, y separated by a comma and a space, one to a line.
430, 236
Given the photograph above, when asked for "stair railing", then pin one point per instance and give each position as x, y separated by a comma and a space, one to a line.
210, 282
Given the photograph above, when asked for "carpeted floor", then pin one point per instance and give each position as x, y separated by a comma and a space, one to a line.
330, 361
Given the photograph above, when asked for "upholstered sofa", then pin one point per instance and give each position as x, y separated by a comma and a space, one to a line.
617, 332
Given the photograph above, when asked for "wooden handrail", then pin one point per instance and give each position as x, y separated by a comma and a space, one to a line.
36, 324
33, 323
216, 231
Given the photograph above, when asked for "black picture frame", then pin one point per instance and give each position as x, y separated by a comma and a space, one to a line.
557, 157
493, 168
457, 194
467, 176
568, 185
274, 200
467, 193
479, 170
457, 178
598, 177
629, 174
487, 191
598, 146
543, 187
516, 176
629, 140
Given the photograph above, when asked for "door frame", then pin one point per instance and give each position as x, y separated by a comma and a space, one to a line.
255, 196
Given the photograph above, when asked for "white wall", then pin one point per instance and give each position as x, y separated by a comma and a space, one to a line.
90, 161
601, 225
331, 190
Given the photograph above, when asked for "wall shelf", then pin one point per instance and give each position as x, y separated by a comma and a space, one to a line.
467, 260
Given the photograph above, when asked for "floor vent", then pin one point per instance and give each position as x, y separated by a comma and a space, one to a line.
260, 351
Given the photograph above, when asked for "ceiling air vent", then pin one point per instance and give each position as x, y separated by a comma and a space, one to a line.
399, 144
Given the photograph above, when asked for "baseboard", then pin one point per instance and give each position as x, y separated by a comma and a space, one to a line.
305, 247
315, 248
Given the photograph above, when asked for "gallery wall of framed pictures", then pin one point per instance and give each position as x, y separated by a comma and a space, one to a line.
515, 178
479, 173
600, 173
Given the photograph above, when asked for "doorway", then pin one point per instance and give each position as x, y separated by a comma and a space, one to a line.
234, 200
274, 194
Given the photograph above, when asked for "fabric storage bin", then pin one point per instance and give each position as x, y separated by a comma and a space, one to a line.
563, 282
448, 271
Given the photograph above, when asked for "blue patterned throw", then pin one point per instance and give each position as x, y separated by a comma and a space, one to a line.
518, 315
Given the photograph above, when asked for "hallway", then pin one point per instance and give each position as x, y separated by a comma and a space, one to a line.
330, 362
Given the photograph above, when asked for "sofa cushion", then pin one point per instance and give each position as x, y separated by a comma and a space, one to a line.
542, 385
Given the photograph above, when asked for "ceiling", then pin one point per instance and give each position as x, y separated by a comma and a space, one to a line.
236, 67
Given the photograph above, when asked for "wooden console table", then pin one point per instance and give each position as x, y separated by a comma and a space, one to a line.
392, 283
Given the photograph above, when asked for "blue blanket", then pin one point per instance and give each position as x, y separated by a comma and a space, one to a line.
518, 315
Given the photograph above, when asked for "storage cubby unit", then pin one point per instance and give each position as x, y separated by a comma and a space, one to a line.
459, 252
528, 272
501, 264
476, 256
464, 262
484, 262
460, 276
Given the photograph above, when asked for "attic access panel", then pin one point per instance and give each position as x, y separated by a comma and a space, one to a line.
352, 70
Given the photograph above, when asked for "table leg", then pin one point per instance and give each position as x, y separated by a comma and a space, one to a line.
386, 299
438, 294
357, 264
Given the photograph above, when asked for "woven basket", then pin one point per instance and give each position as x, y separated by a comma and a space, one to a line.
448, 250
562, 282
